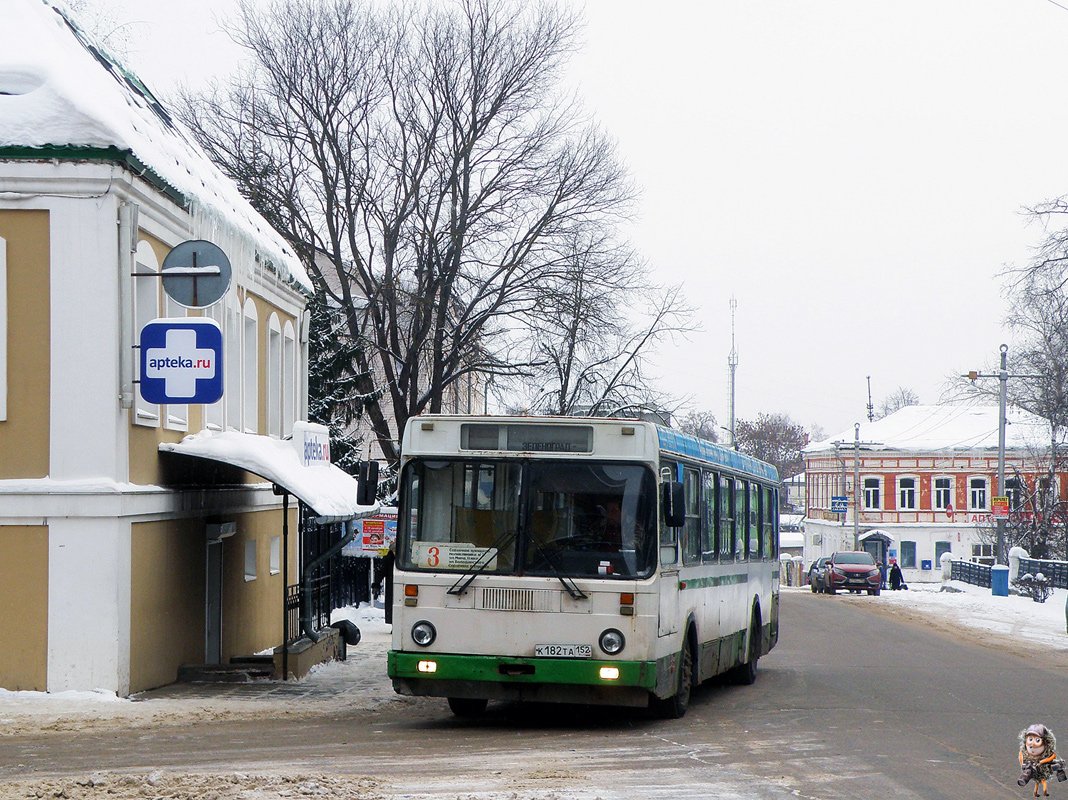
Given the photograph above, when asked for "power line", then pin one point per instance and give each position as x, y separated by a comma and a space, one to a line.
1058, 4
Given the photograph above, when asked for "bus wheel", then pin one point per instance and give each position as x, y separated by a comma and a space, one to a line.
467, 707
745, 674
674, 707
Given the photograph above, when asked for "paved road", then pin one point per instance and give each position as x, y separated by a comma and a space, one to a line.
853, 703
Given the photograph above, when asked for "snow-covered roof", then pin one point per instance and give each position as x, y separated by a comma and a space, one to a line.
59, 89
940, 428
328, 490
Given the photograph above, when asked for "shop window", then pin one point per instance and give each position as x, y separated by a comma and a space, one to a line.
250, 560
276, 554
908, 555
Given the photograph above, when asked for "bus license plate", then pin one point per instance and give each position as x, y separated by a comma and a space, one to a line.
564, 650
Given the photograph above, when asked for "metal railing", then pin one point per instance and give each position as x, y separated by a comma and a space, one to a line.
972, 572
1056, 571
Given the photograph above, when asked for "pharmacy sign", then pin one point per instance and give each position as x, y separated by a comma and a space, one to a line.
181, 361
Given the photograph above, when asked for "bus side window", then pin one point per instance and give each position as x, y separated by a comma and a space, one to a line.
770, 519
691, 541
740, 519
755, 550
668, 535
726, 518
709, 545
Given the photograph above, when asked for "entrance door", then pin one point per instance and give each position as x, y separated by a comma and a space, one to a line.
213, 604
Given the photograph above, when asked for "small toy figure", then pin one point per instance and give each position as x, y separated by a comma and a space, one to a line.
1038, 758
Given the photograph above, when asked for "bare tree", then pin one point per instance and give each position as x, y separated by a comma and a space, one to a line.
701, 424
776, 439
896, 401
427, 153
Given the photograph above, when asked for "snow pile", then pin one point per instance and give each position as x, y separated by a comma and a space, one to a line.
60, 89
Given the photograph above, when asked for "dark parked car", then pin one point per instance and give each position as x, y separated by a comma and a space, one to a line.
854, 570
815, 574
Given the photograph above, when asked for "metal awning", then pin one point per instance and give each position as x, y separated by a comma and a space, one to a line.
325, 488
875, 533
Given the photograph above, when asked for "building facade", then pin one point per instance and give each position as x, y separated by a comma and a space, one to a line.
120, 562
920, 483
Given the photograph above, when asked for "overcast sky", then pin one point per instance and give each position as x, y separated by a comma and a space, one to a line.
852, 172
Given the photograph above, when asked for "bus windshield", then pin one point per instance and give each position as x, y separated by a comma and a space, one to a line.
535, 517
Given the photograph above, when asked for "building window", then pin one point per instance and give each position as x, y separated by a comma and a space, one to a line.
1014, 493
289, 378
249, 369
940, 548
873, 490
908, 555
176, 415
977, 494
276, 554
274, 376
213, 413
146, 309
250, 560
983, 553
943, 493
232, 364
906, 494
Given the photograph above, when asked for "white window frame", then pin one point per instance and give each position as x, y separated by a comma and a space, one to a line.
175, 415
877, 489
276, 554
289, 377
3, 328
250, 353
913, 493
232, 333
146, 309
214, 413
274, 376
972, 505
250, 559
1015, 489
936, 491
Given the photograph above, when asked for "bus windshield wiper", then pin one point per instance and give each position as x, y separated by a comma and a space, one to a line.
482, 562
567, 580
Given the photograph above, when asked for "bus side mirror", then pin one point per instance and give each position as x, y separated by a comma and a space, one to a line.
367, 483
673, 501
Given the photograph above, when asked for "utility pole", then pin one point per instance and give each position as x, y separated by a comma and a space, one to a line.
871, 408
856, 486
732, 366
1003, 391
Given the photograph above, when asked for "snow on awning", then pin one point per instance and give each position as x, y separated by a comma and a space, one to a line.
791, 539
300, 465
875, 533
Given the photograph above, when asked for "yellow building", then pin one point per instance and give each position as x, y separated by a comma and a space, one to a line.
126, 552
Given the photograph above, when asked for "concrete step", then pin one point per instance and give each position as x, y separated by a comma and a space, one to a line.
241, 670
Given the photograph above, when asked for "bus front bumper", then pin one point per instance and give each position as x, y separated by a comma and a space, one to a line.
564, 680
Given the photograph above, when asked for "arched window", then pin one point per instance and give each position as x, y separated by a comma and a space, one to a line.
146, 309
274, 376
289, 378
213, 413
232, 332
249, 369
177, 415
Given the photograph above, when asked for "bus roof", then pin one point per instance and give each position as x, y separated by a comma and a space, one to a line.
685, 445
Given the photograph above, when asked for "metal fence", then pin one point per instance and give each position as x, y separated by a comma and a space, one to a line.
1056, 571
972, 572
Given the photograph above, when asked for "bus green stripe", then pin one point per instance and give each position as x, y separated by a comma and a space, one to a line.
546, 670
715, 580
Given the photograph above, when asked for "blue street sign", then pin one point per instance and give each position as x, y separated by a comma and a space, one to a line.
839, 505
181, 361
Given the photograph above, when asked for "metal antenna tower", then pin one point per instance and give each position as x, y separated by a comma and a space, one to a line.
732, 366
871, 408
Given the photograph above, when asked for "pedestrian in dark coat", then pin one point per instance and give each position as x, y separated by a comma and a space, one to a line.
895, 577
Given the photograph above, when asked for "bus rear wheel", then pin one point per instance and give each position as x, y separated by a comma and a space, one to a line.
745, 674
467, 707
674, 707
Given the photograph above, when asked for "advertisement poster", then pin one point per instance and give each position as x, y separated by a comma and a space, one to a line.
374, 536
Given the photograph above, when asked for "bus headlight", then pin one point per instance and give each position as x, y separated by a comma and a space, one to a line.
423, 633
612, 641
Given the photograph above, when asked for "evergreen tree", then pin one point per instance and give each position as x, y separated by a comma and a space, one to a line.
334, 398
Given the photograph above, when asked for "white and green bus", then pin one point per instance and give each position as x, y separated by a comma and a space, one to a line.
578, 560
